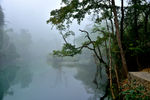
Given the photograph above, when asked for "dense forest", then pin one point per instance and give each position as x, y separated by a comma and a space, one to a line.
121, 43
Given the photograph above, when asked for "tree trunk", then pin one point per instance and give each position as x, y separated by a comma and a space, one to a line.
107, 54
122, 19
119, 40
110, 68
117, 77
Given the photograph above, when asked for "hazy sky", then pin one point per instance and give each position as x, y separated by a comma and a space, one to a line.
31, 15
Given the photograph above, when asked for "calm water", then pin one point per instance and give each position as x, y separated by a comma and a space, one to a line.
42, 80
26, 70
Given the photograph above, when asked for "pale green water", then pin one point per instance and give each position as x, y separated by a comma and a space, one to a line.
25, 72
46, 82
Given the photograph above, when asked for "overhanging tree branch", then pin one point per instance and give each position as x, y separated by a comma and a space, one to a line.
94, 49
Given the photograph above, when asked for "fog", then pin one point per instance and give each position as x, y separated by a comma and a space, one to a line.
32, 15
27, 69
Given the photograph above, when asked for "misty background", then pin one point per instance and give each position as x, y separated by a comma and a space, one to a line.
27, 69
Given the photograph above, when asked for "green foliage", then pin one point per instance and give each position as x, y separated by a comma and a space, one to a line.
67, 50
75, 9
102, 36
135, 36
136, 49
135, 92
68, 33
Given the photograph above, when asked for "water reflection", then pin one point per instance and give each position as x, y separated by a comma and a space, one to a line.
27, 72
13, 71
14, 68
85, 72
62, 79
34, 75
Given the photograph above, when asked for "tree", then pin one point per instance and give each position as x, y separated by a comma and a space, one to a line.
130, 39
119, 40
76, 9
136, 33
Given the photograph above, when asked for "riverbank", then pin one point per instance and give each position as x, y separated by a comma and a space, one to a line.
137, 86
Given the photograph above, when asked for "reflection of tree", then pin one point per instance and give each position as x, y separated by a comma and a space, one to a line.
7, 75
13, 74
24, 77
86, 69
7, 57
56, 63
60, 77
13, 70
86, 73
95, 95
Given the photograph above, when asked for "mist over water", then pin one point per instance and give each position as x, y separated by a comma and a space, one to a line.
27, 69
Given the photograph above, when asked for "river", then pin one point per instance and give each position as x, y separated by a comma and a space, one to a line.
41, 80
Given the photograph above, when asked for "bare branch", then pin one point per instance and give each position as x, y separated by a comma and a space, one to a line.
94, 48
